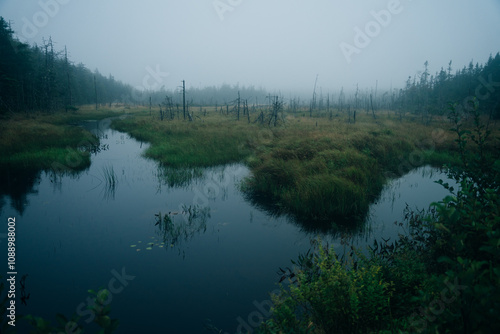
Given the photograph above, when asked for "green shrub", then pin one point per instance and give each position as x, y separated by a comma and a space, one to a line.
333, 296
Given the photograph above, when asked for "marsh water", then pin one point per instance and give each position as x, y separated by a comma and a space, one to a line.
179, 251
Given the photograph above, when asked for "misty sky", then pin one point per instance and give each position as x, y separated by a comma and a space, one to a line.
280, 45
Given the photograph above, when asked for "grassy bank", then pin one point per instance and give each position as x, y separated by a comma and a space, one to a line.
208, 142
441, 277
313, 168
45, 141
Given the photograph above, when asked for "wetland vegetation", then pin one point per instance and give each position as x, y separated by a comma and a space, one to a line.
43, 141
313, 168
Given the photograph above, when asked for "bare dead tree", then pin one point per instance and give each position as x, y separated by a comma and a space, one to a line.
341, 99
184, 98
276, 109
245, 109
69, 102
161, 113
95, 88
371, 103
239, 102
355, 103
313, 102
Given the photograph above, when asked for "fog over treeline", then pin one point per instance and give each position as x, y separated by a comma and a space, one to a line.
41, 78
285, 46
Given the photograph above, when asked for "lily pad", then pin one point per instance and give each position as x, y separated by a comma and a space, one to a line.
149, 248
133, 245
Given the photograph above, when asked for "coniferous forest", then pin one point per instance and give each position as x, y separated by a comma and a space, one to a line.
41, 78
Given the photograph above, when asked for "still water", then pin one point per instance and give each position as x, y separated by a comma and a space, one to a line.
178, 251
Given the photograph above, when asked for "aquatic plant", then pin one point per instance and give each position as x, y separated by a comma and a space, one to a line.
175, 227
110, 182
110, 176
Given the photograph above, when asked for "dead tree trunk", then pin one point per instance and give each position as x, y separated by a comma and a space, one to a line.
238, 109
184, 98
371, 103
161, 113
95, 89
247, 110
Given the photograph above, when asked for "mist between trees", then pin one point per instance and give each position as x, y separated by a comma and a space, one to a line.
40, 78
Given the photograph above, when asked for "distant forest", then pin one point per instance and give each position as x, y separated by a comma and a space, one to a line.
39, 78
472, 86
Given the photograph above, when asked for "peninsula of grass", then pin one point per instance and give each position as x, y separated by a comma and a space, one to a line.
210, 141
312, 168
333, 170
48, 141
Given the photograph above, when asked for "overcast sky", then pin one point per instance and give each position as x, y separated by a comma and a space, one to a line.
280, 45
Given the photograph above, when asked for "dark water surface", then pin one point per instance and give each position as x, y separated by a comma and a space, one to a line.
212, 260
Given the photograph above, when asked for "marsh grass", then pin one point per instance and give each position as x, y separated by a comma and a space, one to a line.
313, 168
333, 169
37, 145
38, 141
209, 142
